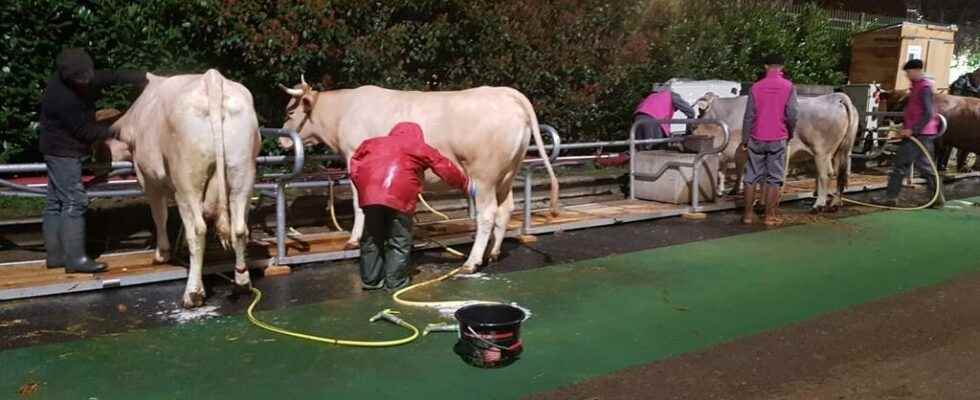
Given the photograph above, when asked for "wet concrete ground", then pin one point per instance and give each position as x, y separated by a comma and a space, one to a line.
78, 316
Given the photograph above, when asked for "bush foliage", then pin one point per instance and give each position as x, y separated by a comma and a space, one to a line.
583, 63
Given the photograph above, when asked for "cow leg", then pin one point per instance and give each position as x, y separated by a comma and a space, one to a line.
157, 198
824, 175
501, 220
961, 159
195, 231
239, 200
358, 229
486, 208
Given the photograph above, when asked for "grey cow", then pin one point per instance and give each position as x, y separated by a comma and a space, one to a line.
826, 129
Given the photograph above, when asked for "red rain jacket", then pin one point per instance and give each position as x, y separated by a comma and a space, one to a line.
388, 170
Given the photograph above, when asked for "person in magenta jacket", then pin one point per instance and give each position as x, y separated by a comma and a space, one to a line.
661, 104
387, 173
922, 121
770, 119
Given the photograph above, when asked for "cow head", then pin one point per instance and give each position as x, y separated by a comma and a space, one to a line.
299, 113
703, 109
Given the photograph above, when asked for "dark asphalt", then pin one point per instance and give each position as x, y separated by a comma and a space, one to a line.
73, 317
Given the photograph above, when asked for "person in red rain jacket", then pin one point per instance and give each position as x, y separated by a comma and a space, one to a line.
387, 173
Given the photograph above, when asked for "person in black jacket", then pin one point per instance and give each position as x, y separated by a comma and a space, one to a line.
68, 130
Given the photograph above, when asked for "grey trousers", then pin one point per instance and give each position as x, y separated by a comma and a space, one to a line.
66, 195
767, 163
649, 130
908, 155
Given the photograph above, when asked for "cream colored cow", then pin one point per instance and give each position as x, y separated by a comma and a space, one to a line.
485, 131
194, 138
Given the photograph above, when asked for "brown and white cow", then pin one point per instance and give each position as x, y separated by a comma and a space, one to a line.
826, 129
962, 130
194, 138
485, 131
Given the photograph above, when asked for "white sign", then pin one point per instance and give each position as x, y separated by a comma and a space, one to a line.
915, 53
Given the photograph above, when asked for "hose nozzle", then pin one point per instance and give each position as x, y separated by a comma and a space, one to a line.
388, 315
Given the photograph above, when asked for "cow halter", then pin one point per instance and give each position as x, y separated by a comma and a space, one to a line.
308, 116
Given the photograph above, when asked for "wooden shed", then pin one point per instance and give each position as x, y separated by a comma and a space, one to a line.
878, 55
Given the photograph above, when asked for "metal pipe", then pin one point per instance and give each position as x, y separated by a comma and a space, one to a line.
879, 150
698, 159
555, 140
298, 161
528, 185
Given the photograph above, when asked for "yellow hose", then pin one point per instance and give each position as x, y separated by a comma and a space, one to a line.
250, 314
935, 195
434, 304
432, 210
333, 214
257, 297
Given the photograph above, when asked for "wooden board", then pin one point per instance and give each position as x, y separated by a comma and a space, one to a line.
31, 279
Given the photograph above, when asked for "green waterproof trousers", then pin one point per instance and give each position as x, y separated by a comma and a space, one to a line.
386, 248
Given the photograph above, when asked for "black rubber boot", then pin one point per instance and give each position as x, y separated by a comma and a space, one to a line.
53, 250
941, 200
73, 239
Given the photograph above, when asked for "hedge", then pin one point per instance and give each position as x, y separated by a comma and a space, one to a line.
583, 63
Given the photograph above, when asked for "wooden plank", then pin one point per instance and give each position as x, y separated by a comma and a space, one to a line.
39, 280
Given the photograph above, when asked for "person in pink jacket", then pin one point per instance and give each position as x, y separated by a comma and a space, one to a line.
770, 118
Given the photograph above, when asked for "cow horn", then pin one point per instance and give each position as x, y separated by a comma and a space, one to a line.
292, 92
302, 80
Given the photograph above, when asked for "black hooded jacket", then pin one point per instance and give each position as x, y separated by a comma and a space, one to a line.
68, 126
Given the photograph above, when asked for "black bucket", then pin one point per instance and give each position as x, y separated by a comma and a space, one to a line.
489, 334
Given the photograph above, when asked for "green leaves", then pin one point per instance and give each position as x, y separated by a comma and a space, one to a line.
583, 63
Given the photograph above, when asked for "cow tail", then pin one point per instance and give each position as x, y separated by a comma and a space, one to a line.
536, 134
843, 155
214, 85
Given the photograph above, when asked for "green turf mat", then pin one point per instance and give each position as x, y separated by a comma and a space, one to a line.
589, 318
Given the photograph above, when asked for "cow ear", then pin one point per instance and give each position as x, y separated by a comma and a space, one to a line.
307, 102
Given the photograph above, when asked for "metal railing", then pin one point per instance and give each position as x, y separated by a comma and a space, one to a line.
284, 181
877, 148
280, 186
695, 165
632, 142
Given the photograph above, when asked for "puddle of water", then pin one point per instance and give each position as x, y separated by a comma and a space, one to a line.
182, 315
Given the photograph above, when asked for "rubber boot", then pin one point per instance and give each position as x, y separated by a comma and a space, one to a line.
53, 249
772, 193
73, 238
941, 200
749, 216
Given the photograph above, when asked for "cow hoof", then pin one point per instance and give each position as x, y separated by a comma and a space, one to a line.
193, 299
352, 245
161, 257
494, 257
468, 269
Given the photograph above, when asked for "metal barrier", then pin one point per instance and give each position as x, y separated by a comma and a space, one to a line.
877, 150
696, 188
298, 161
284, 181
631, 143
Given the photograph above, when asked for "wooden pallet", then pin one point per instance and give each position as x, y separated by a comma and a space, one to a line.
32, 279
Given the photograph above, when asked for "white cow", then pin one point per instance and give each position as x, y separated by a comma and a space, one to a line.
194, 138
484, 130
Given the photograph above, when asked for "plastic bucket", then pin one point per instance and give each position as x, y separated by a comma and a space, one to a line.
489, 334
